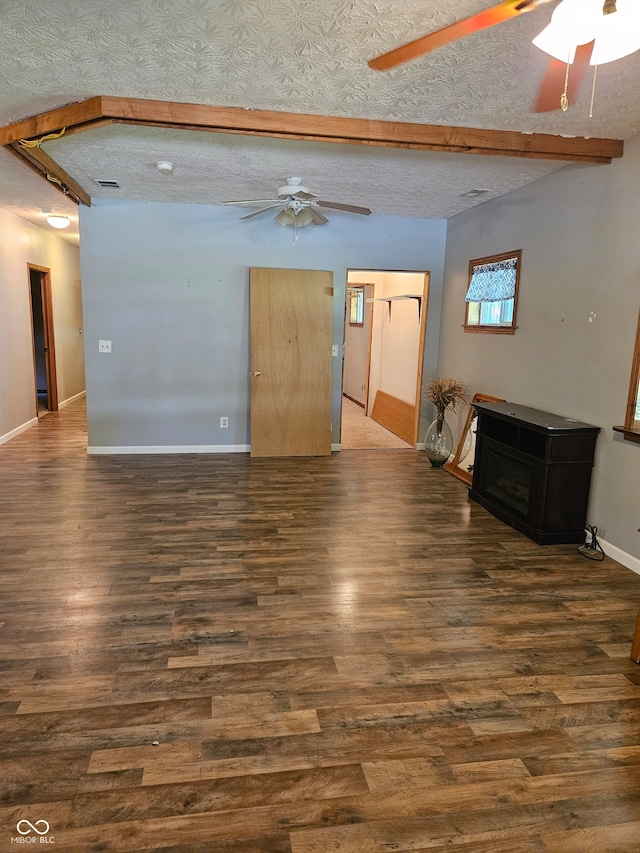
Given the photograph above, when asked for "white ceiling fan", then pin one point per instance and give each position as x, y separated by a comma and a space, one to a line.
298, 206
581, 33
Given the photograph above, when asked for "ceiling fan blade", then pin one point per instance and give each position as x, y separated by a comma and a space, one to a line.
304, 196
262, 210
316, 216
251, 201
552, 85
349, 208
481, 21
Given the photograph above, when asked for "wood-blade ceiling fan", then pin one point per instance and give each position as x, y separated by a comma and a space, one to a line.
583, 51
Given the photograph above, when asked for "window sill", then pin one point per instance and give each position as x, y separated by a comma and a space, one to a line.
491, 330
629, 434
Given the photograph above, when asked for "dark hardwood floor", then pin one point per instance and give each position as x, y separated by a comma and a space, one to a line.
212, 653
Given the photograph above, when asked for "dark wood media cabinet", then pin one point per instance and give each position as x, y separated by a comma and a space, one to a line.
532, 470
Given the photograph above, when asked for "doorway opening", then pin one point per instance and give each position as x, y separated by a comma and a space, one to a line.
384, 339
44, 355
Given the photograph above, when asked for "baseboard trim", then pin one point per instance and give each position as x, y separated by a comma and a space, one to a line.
620, 556
419, 446
353, 400
14, 432
169, 448
71, 399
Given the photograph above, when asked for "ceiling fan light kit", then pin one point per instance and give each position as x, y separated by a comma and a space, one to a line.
618, 35
568, 28
605, 29
575, 22
298, 206
291, 216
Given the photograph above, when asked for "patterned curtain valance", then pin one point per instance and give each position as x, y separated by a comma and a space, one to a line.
493, 282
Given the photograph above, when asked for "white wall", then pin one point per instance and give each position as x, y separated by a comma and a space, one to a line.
20, 244
398, 335
577, 313
168, 284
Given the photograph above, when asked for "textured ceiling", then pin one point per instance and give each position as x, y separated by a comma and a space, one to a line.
211, 168
288, 55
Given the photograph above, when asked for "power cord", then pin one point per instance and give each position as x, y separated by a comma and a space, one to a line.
592, 549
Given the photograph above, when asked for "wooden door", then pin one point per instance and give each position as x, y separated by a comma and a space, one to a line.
291, 323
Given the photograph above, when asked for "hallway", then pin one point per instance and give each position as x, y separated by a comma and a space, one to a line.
363, 433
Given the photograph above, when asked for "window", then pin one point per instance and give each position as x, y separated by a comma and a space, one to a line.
631, 428
492, 294
356, 306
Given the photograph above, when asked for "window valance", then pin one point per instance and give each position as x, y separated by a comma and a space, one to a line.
493, 282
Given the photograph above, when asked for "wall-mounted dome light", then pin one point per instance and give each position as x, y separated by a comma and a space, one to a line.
57, 221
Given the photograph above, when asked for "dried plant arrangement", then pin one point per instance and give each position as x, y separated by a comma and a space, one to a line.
445, 394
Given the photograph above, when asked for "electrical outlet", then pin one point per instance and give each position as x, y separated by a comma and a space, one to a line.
104, 346
224, 423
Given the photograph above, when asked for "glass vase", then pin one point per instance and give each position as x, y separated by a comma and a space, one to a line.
438, 442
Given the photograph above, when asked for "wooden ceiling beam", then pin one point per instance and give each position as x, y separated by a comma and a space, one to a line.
104, 109
45, 165
86, 114
53, 121
361, 131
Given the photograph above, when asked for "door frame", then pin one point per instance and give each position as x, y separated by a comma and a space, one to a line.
49, 337
423, 308
423, 336
368, 307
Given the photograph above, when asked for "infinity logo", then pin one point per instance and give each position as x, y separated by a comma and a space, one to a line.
32, 827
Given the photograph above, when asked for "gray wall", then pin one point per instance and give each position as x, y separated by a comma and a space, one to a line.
577, 314
168, 285
22, 243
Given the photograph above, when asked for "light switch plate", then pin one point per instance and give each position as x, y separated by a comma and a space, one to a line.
104, 346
